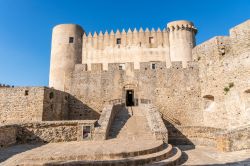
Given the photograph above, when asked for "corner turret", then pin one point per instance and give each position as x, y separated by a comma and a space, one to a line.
66, 51
182, 40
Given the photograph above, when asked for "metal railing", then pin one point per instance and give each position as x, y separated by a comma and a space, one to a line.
137, 101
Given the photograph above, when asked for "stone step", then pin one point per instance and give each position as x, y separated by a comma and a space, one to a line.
154, 158
136, 137
174, 159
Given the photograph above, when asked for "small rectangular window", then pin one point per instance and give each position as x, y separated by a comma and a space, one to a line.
26, 92
151, 40
118, 41
122, 66
86, 132
71, 39
153, 66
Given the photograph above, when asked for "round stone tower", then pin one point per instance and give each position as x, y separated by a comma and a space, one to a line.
181, 40
66, 51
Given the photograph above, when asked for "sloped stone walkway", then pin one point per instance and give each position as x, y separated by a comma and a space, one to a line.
130, 124
203, 155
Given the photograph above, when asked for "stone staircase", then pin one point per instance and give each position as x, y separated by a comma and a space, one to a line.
166, 156
130, 123
99, 153
131, 142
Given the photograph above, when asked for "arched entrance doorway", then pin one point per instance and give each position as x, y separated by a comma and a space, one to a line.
129, 95
130, 100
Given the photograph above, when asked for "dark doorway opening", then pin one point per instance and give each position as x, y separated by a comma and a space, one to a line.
130, 98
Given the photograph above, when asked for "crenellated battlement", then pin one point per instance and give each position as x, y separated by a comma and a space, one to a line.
182, 40
72, 45
6, 86
144, 66
126, 38
181, 25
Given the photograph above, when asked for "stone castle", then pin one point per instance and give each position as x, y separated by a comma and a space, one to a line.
173, 44
150, 86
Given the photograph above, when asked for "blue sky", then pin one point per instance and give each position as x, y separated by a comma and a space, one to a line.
26, 25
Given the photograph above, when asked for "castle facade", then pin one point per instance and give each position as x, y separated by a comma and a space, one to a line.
184, 93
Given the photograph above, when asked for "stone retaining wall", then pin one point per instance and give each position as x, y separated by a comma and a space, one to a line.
237, 139
47, 131
223, 140
7, 135
56, 131
193, 135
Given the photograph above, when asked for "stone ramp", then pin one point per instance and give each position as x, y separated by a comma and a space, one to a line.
130, 123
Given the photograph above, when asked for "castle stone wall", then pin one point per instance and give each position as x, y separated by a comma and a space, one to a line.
55, 105
240, 39
32, 104
137, 46
175, 91
24, 104
71, 46
171, 45
224, 64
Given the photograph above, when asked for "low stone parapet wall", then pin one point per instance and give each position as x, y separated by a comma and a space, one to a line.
223, 140
106, 118
55, 131
193, 135
155, 122
233, 140
7, 135
46, 131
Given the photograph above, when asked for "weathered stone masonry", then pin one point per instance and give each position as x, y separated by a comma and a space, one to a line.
175, 91
202, 93
32, 104
224, 64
